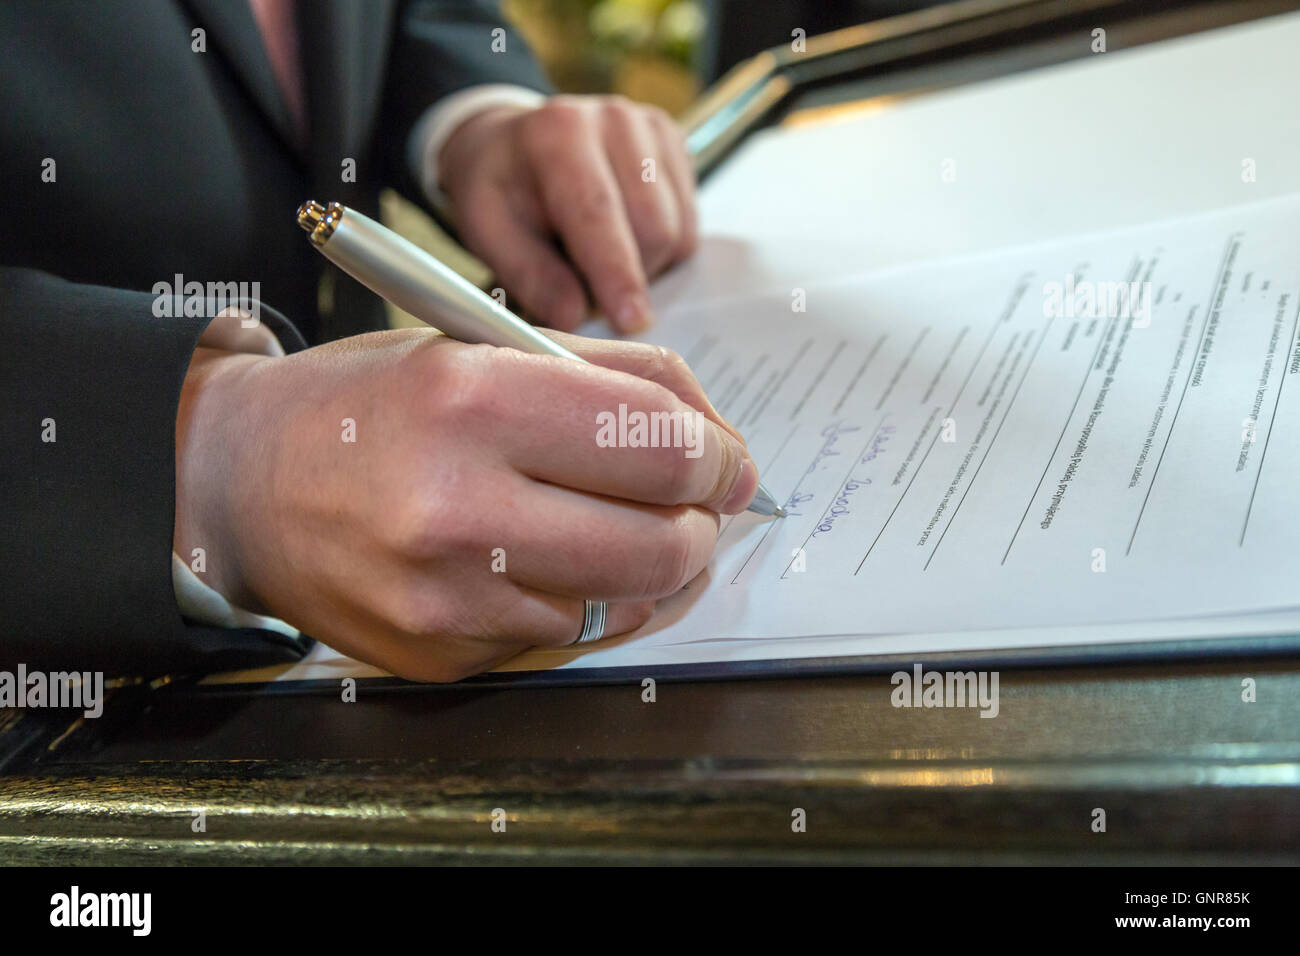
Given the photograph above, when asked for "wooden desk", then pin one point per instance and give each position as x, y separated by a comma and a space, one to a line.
1185, 770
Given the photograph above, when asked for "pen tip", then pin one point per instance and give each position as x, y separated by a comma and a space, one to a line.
765, 504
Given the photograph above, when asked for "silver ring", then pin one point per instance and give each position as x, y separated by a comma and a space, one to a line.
593, 623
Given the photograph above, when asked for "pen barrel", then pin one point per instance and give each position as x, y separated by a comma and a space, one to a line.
413, 280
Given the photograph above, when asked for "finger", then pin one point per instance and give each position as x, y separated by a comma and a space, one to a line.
582, 545
582, 201
488, 614
635, 155
504, 231
407, 632
652, 362
601, 430
515, 620
521, 617
681, 171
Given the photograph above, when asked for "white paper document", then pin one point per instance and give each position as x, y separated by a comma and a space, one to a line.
1062, 442
1090, 440
1131, 137
1094, 431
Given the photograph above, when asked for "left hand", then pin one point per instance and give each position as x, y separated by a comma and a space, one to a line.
583, 189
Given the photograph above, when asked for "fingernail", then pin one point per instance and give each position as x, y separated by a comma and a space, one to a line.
742, 489
634, 314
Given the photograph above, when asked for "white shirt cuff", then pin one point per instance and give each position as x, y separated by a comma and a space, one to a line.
440, 120
205, 605
196, 600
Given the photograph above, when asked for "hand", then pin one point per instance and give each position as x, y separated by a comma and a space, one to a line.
574, 172
384, 547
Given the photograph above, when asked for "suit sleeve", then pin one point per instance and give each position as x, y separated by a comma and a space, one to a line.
441, 47
89, 391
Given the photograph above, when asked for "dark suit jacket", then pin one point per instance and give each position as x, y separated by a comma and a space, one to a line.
168, 161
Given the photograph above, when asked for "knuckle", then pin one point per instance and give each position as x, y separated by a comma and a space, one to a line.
616, 104
438, 520
677, 472
729, 465
594, 201
418, 529
468, 389
418, 612
555, 288
641, 614
658, 362
668, 127
464, 521
671, 565
658, 116
556, 119
672, 365
629, 616
656, 236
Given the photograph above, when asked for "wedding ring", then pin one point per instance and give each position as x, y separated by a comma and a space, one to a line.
593, 623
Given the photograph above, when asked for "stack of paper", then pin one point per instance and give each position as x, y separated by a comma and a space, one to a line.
1086, 436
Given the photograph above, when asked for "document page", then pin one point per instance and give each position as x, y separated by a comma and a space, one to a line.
1094, 439
1003, 162
1092, 431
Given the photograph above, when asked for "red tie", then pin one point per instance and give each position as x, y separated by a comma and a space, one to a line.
275, 18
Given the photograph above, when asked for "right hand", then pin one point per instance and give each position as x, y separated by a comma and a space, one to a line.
384, 547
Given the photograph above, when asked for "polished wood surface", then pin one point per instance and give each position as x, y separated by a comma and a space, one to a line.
1184, 768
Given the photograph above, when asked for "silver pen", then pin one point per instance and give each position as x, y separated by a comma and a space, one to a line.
416, 282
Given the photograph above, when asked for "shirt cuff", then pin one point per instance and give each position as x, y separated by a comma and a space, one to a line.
203, 604
440, 120
234, 332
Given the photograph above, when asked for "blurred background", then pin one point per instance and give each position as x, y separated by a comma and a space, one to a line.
644, 49
666, 51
